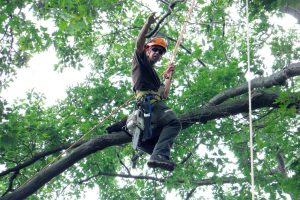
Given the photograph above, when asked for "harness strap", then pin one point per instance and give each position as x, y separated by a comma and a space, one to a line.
147, 110
141, 95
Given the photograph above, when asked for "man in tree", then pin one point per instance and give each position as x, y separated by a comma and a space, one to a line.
147, 85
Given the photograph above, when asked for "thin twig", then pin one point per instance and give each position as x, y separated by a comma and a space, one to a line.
189, 195
11, 181
123, 164
170, 9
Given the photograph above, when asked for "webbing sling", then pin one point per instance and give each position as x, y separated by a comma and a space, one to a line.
147, 110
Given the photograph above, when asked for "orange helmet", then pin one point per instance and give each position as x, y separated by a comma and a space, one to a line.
159, 42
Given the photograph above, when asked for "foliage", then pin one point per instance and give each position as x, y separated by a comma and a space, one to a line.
104, 32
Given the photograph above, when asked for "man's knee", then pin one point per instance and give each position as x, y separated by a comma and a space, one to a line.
175, 124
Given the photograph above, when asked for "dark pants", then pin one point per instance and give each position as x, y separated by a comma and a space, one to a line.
165, 127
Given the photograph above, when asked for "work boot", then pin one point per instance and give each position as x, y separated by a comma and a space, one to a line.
162, 162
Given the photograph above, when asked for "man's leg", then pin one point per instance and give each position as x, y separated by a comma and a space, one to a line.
167, 119
148, 145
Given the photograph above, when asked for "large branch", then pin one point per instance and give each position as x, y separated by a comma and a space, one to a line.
207, 113
278, 78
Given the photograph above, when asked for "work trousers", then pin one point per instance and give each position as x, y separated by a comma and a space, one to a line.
165, 127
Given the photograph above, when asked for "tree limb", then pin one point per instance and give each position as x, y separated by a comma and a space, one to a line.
123, 164
190, 153
281, 164
278, 78
46, 174
141, 177
171, 7
37, 157
190, 194
207, 113
203, 182
11, 181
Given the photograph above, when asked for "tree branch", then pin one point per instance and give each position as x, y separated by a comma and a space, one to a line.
278, 78
203, 182
163, 1
11, 181
122, 176
281, 164
190, 154
189, 195
171, 7
207, 113
123, 164
46, 174
37, 157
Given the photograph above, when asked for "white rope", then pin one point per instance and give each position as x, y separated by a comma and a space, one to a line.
250, 103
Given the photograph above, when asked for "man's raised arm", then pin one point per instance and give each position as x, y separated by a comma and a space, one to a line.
140, 42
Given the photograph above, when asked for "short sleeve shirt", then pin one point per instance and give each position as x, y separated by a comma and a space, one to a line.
144, 77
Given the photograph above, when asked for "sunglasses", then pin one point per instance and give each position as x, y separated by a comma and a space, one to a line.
160, 51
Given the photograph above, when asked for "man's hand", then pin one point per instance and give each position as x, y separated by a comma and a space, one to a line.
152, 18
168, 76
170, 70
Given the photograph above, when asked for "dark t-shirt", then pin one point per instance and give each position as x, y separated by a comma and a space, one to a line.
144, 77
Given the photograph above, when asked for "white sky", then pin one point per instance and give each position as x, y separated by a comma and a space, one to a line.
41, 76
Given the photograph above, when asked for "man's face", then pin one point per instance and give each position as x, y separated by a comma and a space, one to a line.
155, 53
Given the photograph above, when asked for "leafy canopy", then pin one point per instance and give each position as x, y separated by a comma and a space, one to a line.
211, 60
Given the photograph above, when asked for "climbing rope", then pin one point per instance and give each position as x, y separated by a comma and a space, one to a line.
179, 40
121, 106
92, 129
250, 103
